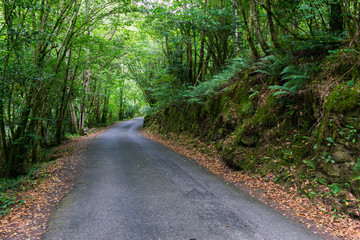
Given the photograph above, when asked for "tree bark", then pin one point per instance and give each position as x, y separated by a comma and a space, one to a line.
86, 82
259, 35
73, 116
249, 38
336, 18
202, 48
236, 13
189, 53
63, 103
4, 154
121, 107
272, 29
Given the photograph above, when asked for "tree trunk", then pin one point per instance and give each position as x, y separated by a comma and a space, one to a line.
202, 49
18, 146
249, 38
63, 103
4, 154
195, 57
336, 18
272, 25
121, 107
189, 53
86, 82
105, 108
236, 40
259, 35
73, 116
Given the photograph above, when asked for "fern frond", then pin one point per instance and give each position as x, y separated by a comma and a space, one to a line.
264, 72
277, 87
269, 58
296, 78
280, 93
290, 70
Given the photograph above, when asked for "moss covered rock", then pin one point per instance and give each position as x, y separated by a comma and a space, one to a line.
341, 154
344, 98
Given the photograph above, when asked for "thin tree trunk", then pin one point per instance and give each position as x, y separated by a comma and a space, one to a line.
98, 106
272, 25
195, 57
4, 148
202, 49
86, 82
189, 54
63, 103
121, 107
336, 18
73, 116
249, 38
105, 110
236, 40
259, 35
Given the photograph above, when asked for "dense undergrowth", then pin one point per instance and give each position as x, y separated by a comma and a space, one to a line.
281, 113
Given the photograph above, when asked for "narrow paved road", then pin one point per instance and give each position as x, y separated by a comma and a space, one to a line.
136, 189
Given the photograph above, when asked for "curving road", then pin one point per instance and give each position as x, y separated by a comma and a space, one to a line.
135, 189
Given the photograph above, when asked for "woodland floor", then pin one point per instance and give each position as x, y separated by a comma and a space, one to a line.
28, 220
312, 214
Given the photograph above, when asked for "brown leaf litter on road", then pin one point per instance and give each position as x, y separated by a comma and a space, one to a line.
311, 214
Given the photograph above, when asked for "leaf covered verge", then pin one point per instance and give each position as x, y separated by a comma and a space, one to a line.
35, 195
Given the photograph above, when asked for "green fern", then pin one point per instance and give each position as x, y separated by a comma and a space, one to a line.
208, 88
273, 64
295, 77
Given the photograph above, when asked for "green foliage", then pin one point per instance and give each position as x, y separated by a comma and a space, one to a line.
6, 203
356, 167
310, 163
97, 64
327, 157
318, 46
169, 94
335, 189
330, 141
56, 69
294, 77
277, 65
273, 64
209, 88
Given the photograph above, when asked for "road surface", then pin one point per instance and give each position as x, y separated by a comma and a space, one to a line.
135, 189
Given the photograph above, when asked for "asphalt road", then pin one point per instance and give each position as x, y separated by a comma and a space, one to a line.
135, 189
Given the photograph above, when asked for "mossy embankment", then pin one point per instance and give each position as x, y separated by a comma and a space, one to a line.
310, 138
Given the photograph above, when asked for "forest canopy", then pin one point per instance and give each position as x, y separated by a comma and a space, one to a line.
66, 66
